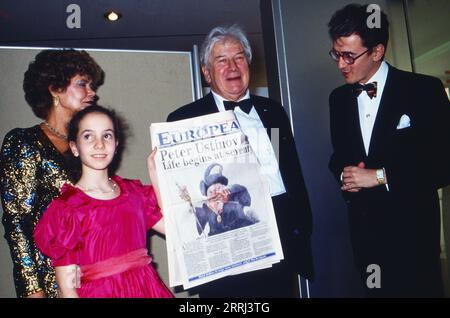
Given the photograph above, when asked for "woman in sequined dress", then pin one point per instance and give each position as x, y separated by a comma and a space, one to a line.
57, 84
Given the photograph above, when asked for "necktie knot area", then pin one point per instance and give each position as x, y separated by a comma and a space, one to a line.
245, 104
370, 88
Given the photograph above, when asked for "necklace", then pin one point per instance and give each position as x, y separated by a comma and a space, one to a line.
55, 131
112, 190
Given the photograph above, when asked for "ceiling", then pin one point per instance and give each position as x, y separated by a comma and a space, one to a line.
172, 25
176, 25
162, 24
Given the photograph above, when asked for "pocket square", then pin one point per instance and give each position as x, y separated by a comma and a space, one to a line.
404, 122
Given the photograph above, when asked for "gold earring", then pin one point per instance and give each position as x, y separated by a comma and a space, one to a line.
56, 101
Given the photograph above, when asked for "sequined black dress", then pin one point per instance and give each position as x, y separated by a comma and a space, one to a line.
31, 174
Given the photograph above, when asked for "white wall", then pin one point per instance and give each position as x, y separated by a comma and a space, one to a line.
143, 86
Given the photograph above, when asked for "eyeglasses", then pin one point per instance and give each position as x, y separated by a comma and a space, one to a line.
335, 55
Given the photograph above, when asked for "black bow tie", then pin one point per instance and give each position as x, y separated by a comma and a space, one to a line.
370, 88
245, 104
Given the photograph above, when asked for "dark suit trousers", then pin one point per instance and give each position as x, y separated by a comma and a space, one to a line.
388, 234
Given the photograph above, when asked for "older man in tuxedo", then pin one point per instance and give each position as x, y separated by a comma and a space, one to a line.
225, 58
390, 135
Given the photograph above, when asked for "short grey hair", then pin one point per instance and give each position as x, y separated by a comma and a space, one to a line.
219, 33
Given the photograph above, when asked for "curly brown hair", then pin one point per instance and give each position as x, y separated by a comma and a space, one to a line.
55, 68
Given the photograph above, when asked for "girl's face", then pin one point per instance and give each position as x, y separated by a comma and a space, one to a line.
96, 143
77, 95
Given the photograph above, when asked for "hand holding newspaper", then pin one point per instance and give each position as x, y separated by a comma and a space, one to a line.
219, 216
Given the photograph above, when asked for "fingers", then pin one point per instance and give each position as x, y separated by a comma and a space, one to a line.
350, 187
348, 178
349, 169
153, 152
351, 177
214, 197
351, 183
151, 159
351, 180
349, 172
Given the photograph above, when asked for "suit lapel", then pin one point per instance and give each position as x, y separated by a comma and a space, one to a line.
385, 117
209, 106
354, 122
263, 111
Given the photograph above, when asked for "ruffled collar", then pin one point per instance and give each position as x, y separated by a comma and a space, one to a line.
75, 197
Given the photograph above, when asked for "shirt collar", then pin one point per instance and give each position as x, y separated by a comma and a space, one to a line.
380, 75
219, 99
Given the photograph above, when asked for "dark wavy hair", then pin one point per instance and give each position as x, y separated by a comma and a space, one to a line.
121, 133
352, 19
55, 68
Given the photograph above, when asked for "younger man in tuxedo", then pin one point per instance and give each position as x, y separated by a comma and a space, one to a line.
390, 137
225, 57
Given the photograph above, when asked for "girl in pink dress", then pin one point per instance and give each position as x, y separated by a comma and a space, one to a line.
95, 231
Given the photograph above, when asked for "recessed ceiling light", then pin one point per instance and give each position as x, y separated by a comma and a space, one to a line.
112, 15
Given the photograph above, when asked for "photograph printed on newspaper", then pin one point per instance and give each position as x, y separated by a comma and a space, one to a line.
219, 215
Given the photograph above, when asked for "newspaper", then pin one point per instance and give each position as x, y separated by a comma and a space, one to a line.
219, 216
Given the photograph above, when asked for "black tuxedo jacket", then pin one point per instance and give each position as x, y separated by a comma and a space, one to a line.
400, 227
292, 209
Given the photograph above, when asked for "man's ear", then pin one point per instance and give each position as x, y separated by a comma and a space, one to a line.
206, 74
73, 148
378, 52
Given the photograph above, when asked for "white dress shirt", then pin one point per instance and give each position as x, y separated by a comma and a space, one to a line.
368, 108
253, 128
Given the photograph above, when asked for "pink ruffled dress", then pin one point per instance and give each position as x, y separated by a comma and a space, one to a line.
106, 238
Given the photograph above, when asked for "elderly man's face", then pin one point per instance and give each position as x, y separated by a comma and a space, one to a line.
227, 72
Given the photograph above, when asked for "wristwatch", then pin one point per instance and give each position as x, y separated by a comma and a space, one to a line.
380, 176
